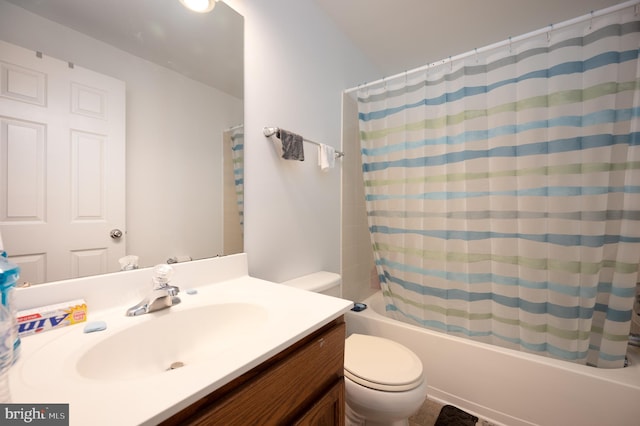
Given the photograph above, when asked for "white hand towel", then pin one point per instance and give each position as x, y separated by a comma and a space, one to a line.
326, 157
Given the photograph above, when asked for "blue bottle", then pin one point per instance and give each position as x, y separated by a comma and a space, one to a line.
6, 353
9, 274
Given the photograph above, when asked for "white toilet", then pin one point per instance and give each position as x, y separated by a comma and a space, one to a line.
384, 380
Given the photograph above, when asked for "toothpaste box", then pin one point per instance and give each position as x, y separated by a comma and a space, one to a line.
50, 317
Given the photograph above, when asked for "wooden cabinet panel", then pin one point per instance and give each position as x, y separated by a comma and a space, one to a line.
305, 379
328, 410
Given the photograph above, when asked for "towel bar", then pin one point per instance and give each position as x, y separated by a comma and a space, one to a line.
270, 131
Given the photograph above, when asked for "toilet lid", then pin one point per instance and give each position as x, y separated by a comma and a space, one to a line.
381, 364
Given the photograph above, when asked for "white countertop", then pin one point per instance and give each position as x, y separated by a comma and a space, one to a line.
47, 372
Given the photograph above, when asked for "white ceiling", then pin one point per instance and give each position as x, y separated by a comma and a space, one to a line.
205, 47
399, 35
396, 35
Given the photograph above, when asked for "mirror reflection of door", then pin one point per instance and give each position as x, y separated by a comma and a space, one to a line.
184, 87
62, 152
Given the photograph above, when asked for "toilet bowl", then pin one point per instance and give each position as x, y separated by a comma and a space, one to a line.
384, 380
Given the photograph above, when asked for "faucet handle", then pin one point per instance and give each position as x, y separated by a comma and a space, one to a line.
162, 274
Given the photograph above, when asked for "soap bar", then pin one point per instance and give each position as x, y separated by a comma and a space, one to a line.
95, 326
50, 317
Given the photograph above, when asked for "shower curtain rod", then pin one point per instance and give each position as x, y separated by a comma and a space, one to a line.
510, 40
270, 131
237, 126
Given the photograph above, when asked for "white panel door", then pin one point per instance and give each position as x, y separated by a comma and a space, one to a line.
62, 166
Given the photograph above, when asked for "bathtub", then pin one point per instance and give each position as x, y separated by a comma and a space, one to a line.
508, 387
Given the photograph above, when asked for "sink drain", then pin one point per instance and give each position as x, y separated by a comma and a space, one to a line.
175, 365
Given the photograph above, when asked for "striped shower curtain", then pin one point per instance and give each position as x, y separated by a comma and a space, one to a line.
235, 138
503, 191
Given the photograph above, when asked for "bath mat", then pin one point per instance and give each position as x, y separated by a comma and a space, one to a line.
453, 416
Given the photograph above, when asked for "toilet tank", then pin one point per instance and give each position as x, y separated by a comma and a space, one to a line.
323, 282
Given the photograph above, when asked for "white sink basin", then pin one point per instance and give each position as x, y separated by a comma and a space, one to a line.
173, 339
217, 333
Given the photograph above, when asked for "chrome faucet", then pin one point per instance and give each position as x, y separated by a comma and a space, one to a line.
162, 294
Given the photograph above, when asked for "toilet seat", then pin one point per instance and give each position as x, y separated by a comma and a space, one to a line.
381, 364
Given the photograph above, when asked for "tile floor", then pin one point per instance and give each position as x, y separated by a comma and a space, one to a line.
428, 414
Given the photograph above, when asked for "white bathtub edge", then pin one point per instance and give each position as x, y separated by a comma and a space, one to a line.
508, 387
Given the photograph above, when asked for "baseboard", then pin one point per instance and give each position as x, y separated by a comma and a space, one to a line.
496, 418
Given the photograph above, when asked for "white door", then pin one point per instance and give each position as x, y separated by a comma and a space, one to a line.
62, 166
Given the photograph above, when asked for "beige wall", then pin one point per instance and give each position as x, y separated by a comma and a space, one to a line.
296, 66
357, 254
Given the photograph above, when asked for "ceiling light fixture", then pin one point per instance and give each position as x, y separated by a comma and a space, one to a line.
200, 6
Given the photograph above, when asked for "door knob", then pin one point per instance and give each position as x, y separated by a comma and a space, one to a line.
116, 234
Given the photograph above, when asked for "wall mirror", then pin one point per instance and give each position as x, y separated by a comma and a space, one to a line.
179, 180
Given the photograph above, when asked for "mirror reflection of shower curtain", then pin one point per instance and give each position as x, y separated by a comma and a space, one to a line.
502, 191
233, 143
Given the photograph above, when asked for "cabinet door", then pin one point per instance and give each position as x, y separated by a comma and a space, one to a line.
308, 374
328, 410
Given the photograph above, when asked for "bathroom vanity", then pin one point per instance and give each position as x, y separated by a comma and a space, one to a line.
302, 385
236, 350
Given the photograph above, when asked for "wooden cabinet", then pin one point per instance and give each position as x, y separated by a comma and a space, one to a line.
302, 385
328, 410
